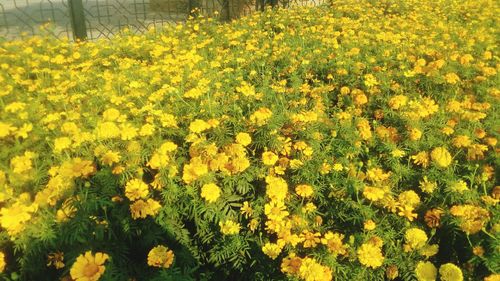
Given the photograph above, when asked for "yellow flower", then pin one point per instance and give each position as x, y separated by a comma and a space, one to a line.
370, 80
451, 78
415, 238
426, 271
88, 267
110, 157
142, 209
459, 186
415, 134
14, 218
311, 270
409, 198
333, 242
398, 101
22, 164
195, 169
338, 167
275, 210
304, 190
111, 114
450, 272
261, 116
441, 157
2, 262
421, 158
210, 192
277, 188
243, 139
429, 250
407, 212
295, 163
427, 186
271, 250
369, 225
136, 189
309, 207
246, 209
198, 126
398, 153
269, 158
472, 218
160, 256
370, 255
61, 144
107, 130
311, 239
229, 227
492, 277
6, 129
373, 193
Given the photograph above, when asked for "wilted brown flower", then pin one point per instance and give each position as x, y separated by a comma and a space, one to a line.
392, 272
478, 251
496, 192
433, 217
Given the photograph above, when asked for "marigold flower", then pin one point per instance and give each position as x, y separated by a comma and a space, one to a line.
459, 186
450, 272
441, 157
311, 239
333, 242
472, 218
415, 134
271, 250
461, 141
373, 193
415, 238
198, 126
427, 186
14, 218
88, 267
2, 262
429, 250
304, 190
243, 139
269, 158
311, 270
291, 264
426, 271
136, 189
210, 192
142, 209
451, 78
369, 225
370, 255
492, 277
229, 227
160, 256
421, 158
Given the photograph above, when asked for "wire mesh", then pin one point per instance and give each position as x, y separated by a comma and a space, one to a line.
104, 18
30, 17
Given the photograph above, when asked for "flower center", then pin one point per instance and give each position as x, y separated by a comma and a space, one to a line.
90, 270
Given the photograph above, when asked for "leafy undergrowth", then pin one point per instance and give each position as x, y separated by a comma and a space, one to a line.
355, 141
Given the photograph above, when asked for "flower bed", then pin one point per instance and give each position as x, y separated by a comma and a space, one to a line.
351, 142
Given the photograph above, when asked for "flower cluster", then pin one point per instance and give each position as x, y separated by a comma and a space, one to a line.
356, 140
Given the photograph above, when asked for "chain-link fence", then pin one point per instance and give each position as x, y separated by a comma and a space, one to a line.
102, 18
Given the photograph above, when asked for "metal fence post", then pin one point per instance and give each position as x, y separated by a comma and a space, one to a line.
77, 16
